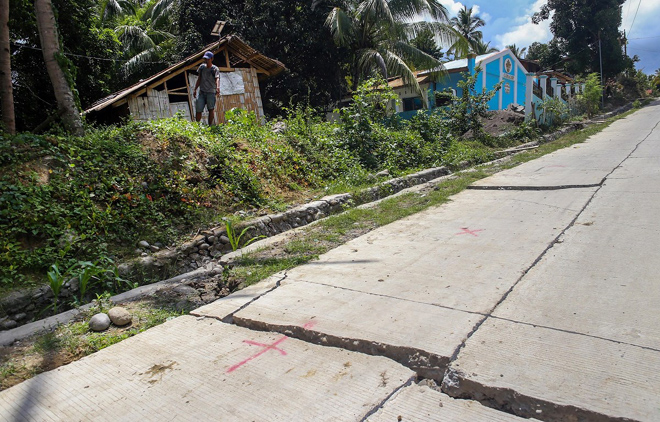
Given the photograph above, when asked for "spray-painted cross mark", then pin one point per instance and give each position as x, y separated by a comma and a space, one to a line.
468, 231
265, 348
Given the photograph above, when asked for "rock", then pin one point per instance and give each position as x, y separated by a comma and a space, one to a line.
204, 246
224, 239
383, 173
15, 301
143, 254
211, 239
154, 248
20, 316
120, 316
99, 322
9, 324
73, 284
143, 244
159, 245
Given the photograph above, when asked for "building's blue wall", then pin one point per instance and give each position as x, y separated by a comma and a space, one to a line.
450, 81
480, 82
492, 79
492, 73
522, 87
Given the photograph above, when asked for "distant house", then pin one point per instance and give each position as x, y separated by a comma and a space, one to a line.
170, 92
520, 87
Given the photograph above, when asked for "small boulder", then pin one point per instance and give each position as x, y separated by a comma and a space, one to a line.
99, 322
120, 316
143, 244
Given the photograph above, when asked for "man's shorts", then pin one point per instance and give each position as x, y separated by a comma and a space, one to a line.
205, 99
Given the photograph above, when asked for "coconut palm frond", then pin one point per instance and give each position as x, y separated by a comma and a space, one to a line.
158, 36
134, 37
138, 61
481, 48
375, 10
518, 52
341, 26
411, 9
162, 11
370, 60
398, 66
111, 9
422, 60
443, 33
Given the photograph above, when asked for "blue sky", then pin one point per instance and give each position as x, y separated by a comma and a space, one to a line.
509, 22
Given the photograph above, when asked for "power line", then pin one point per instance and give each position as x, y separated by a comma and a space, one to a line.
19, 45
644, 38
635, 17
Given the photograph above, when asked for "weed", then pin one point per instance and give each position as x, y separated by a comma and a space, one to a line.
56, 281
234, 240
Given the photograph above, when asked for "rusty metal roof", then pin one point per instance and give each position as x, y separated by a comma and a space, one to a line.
238, 48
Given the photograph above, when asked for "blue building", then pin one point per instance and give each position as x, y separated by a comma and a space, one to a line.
519, 87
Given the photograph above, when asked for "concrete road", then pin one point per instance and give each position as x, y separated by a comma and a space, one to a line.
531, 295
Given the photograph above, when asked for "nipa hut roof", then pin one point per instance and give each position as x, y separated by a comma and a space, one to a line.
242, 53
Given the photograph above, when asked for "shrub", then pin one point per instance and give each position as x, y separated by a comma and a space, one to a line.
591, 98
466, 113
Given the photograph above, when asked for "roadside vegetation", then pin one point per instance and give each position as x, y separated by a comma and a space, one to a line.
72, 204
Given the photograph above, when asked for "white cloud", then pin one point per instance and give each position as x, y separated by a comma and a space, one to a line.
454, 6
525, 32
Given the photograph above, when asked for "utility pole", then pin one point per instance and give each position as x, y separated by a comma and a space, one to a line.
625, 43
602, 87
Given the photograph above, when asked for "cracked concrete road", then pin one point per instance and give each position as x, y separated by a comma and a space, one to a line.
532, 295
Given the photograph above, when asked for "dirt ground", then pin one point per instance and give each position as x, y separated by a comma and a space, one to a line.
500, 122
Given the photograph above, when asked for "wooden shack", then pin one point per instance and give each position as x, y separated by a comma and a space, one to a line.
170, 92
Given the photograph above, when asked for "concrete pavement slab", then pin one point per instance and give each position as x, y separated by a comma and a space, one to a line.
420, 285
421, 403
604, 273
577, 338
192, 369
602, 279
418, 335
556, 375
224, 308
582, 164
462, 255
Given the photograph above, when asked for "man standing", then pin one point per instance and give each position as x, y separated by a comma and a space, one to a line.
208, 79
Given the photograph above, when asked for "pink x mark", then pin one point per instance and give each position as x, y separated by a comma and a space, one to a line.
468, 231
265, 348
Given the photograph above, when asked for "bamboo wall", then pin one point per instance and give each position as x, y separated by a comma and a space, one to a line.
250, 100
155, 104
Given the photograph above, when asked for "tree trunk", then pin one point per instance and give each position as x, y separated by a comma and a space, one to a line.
51, 47
6, 89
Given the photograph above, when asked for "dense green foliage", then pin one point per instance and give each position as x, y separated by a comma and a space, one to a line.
91, 49
590, 99
467, 114
287, 30
578, 26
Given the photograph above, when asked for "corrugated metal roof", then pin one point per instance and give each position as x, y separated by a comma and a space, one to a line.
456, 65
238, 47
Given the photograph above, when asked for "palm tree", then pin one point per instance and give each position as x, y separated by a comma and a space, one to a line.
378, 34
481, 48
467, 25
141, 26
519, 53
6, 89
50, 46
